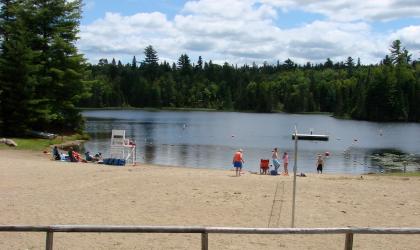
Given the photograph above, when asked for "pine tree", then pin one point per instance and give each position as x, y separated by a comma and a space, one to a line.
150, 63
328, 64
134, 63
60, 78
350, 66
151, 56
399, 54
199, 65
184, 64
16, 83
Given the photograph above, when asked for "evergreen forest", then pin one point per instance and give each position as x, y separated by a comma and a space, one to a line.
388, 91
44, 80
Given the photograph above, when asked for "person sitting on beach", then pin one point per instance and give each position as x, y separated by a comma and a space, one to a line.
56, 154
98, 157
74, 156
319, 164
71, 155
237, 161
77, 156
88, 156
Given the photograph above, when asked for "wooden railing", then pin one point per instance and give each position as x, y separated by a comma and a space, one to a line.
204, 231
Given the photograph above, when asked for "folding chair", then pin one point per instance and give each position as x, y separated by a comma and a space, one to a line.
264, 166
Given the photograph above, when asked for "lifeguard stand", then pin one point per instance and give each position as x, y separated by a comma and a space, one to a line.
121, 147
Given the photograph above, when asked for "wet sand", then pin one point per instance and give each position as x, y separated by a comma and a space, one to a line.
38, 191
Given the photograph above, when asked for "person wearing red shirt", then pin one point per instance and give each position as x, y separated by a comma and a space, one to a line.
237, 161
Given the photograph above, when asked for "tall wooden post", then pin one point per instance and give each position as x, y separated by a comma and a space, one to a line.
349, 242
294, 179
49, 241
204, 241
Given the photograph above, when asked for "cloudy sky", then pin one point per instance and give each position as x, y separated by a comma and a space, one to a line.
246, 31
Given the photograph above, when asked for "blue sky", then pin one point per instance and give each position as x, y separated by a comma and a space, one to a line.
246, 31
95, 9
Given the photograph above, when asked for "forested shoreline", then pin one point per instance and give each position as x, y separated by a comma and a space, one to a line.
388, 91
44, 79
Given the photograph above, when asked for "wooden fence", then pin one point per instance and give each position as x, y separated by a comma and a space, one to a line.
204, 231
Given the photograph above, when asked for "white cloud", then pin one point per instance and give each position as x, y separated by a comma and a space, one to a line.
320, 40
243, 31
230, 10
352, 10
125, 36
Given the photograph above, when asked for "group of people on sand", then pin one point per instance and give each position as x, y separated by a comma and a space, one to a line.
276, 162
73, 156
238, 161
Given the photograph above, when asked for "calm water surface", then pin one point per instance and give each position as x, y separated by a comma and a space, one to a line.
209, 139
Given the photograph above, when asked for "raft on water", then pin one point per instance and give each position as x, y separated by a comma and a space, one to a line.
311, 137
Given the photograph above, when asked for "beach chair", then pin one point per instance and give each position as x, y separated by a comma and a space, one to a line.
264, 166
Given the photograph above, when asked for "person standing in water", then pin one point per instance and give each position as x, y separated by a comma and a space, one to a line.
286, 163
237, 161
319, 164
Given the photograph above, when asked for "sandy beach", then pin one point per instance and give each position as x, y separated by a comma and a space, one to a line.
38, 191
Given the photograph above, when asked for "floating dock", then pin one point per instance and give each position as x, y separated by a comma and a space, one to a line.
311, 137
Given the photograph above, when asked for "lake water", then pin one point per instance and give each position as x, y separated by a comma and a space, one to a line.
209, 139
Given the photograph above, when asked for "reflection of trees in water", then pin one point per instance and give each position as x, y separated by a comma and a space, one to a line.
183, 155
197, 156
149, 153
149, 141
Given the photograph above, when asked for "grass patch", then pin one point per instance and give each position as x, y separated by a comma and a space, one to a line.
36, 144
408, 174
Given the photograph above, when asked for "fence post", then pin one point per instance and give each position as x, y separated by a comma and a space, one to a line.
349, 241
49, 242
204, 241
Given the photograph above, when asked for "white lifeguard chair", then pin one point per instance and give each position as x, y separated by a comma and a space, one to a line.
121, 147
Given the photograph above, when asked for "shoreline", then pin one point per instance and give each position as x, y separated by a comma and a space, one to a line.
39, 191
329, 114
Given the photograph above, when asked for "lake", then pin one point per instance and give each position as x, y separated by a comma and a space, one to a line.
209, 139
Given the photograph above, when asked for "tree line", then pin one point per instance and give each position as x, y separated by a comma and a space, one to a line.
44, 79
387, 91
42, 75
